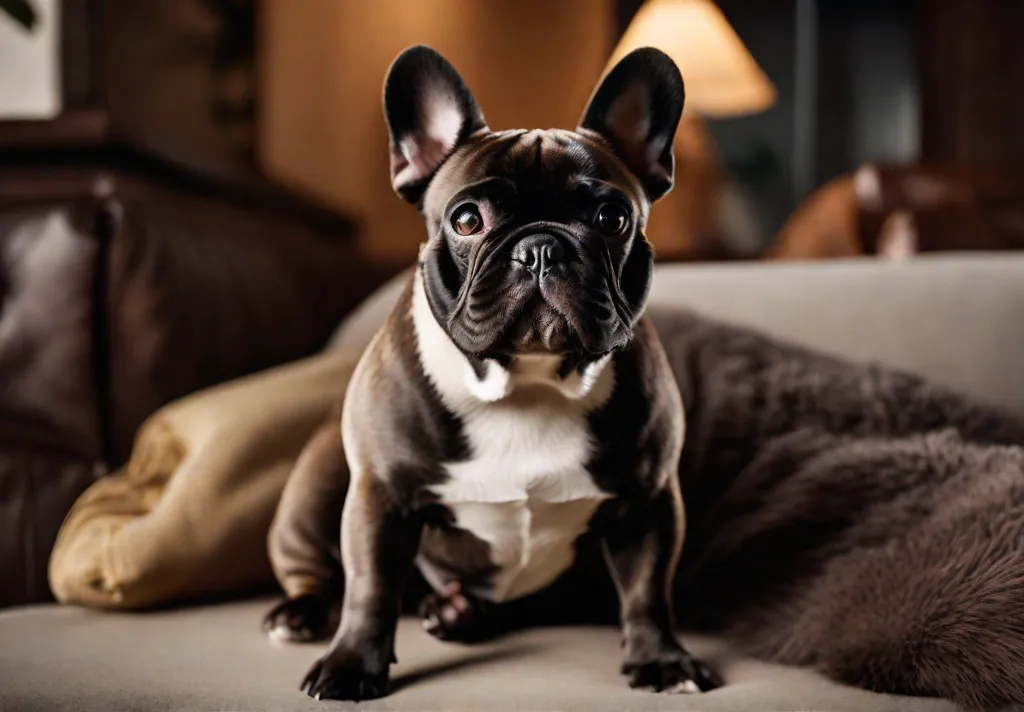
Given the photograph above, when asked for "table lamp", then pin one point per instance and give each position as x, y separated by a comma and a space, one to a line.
722, 78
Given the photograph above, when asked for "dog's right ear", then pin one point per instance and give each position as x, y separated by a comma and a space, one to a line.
430, 112
637, 108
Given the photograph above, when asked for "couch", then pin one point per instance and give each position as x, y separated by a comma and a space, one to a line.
958, 320
122, 289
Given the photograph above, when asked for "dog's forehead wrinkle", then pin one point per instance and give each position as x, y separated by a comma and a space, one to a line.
544, 162
551, 151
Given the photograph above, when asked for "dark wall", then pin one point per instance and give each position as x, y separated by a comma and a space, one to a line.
758, 149
862, 102
869, 101
972, 83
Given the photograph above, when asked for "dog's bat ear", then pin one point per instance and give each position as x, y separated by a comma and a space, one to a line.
429, 111
636, 108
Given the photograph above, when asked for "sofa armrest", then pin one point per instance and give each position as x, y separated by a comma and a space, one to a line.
199, 292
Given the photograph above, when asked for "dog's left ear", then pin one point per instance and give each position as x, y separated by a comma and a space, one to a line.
429, 111
637, 109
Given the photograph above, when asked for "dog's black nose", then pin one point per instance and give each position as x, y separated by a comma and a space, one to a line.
539, 253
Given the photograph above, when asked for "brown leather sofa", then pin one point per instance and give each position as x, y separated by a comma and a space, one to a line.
119, 293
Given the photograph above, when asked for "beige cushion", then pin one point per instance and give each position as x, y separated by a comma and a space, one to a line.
188, 515
216, 659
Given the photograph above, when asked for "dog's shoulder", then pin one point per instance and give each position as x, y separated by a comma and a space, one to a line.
642, 420
393, 415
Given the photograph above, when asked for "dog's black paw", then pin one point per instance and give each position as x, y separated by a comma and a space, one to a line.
303, 619
455, 617
333, 679
675, 673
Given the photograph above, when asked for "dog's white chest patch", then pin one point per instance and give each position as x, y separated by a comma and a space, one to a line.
525, 491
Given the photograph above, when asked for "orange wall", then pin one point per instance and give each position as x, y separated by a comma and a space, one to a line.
530, 63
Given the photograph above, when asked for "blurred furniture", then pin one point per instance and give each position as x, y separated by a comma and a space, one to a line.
959, 320
722, 80
174, 81
142, 254
121, 289
900, 210
530, 63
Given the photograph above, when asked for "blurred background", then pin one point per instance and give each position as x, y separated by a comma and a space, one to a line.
814, 128
196, 190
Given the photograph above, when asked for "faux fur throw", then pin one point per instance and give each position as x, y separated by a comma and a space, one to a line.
860, 521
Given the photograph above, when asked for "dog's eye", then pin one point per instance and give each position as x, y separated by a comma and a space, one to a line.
467, 220
611, 219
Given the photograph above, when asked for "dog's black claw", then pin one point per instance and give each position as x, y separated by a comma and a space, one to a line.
311, 677
329, 681
303, 619
674, 674
705, 677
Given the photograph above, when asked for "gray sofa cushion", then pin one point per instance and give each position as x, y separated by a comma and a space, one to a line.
956, 319
215, 658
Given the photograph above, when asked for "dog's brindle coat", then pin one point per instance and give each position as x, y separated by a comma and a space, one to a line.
516, 410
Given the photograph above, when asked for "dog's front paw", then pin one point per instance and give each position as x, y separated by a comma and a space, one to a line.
674, 672
302, 619
333, 678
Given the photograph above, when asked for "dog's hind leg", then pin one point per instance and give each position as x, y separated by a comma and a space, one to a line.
455, 616
583, 595
304, 540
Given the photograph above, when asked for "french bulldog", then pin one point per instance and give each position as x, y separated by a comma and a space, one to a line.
516, 411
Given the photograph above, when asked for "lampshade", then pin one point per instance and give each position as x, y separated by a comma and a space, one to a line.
722, 78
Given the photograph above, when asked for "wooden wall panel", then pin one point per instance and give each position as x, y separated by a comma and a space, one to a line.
530, 63
971, 59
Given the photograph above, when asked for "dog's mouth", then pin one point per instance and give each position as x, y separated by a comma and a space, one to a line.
564, 315
502, 307
540, 329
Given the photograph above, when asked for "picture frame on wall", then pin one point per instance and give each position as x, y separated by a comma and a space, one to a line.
30, 60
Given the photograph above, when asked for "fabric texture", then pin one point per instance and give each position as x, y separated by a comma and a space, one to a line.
215, 658
187, 517
853, 518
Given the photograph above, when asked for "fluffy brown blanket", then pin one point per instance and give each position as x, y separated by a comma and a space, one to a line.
863, 522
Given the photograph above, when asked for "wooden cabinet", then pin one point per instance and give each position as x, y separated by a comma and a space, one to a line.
971, 62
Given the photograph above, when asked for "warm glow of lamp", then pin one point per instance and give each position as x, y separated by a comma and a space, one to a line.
722, 78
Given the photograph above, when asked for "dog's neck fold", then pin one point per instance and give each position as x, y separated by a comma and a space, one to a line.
462, 384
